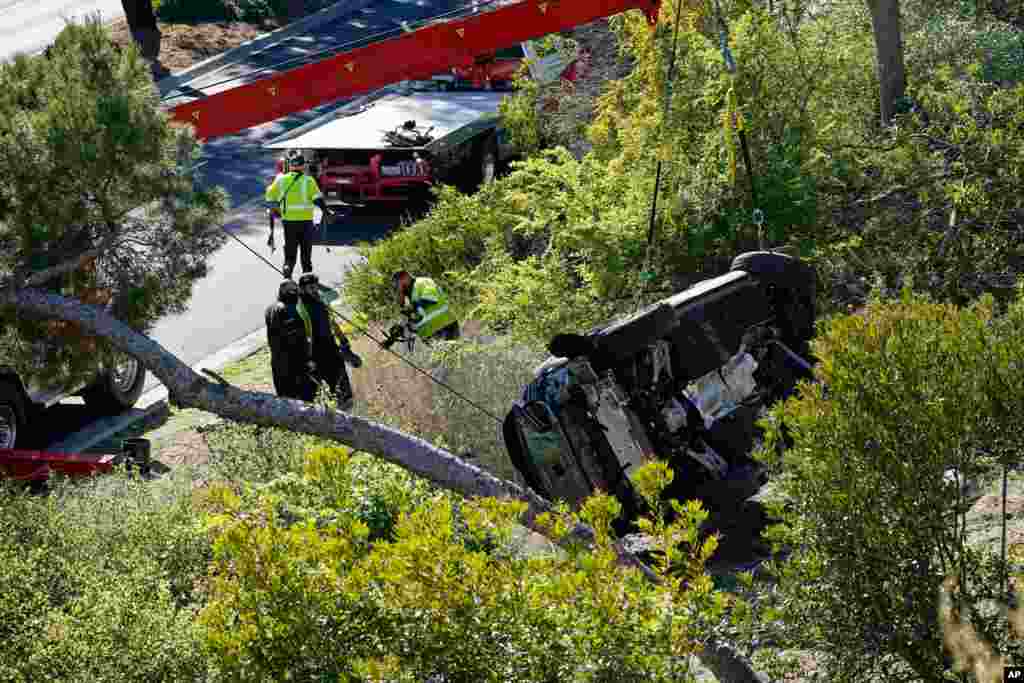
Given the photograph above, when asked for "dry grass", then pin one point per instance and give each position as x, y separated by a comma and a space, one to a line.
390, 391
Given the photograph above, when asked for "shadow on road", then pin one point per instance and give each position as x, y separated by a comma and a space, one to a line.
57, 423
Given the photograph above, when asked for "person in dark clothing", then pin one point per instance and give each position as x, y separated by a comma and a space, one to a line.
292, 196
290, 351
331, 348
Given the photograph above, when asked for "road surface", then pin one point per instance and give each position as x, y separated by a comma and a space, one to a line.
30, 25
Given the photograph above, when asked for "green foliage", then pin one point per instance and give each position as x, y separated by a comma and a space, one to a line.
493, 375
909, 390
451, 236
1004, 51
90, 161
242, 452
307, 596
559, 244
98, 582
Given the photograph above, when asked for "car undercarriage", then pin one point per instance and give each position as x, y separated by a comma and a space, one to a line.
683, 381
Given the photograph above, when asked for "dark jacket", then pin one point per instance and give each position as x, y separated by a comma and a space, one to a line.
324, 344
289, 351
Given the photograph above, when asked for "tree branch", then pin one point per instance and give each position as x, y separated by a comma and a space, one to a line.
188, 388
41, 277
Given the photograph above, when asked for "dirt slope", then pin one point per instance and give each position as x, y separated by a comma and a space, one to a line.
182, 45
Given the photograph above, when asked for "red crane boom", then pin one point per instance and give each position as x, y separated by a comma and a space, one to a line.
416, 55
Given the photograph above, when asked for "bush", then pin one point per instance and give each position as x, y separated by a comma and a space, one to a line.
908, 390
98, 582
493, 376
242, 452
308, 597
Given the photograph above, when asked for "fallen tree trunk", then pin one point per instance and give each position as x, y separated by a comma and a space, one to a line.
187, 388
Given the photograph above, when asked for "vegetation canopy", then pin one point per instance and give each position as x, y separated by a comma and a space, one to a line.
98, 201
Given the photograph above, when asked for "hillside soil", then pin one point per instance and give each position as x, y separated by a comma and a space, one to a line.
182, 45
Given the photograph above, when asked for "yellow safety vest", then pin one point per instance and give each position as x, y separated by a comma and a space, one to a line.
294, 195
432, 304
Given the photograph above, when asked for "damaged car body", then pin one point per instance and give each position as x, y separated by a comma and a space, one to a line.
684, 381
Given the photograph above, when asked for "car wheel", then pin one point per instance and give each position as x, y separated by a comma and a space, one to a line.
117, 389
12, 415
794, 283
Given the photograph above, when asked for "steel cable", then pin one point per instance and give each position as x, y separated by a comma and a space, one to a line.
365, 332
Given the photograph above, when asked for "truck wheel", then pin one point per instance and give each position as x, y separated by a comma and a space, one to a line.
794, 283
117, 389
12, 415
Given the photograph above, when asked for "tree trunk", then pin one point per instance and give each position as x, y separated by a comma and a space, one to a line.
142, 24
892, 76
188, 389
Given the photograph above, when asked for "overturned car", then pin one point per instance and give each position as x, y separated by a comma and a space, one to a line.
683, 380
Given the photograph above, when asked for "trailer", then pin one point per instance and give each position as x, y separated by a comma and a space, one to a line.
418, 134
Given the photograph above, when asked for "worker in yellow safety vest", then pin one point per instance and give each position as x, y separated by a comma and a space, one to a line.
292, 196
427, 306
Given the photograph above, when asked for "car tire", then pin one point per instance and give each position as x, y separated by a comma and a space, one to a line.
794, 285
13, 415
117, 390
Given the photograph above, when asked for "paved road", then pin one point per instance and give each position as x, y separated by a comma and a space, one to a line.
30, 25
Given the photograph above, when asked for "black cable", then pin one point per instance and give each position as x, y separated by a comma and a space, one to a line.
337, 49
657, 177
332, 311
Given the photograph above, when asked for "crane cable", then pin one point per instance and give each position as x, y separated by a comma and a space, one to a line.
332, 311
730, 64
646, 275
337, 49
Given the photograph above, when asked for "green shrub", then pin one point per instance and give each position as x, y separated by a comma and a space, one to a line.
250, 453
98, 582
308, 597
909, 390
360, 486
493, 376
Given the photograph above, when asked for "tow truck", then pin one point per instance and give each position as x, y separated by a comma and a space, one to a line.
448, 129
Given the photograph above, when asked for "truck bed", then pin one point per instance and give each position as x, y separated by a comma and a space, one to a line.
455, 116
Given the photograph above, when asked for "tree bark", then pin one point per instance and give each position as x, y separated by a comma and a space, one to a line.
189, 389
892, 75
142, 24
